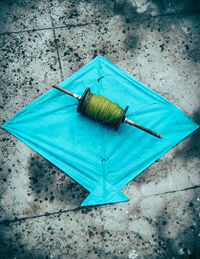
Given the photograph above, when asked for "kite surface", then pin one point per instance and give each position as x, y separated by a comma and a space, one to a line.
101, 159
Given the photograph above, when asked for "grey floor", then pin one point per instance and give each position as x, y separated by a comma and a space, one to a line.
42, 43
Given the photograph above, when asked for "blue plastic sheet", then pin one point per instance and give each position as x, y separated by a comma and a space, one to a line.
102, 160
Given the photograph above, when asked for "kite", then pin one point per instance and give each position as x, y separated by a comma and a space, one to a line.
99, 158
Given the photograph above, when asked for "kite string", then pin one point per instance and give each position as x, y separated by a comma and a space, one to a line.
101, 109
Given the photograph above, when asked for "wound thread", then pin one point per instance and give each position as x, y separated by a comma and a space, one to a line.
101, 109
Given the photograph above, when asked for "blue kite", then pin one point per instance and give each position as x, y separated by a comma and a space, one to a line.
101, 159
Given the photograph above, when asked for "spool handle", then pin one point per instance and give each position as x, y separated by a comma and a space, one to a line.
67, 92
142, 128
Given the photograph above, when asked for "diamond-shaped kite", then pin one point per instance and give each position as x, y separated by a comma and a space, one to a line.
101, 159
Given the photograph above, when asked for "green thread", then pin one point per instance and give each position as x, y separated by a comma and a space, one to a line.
101, 109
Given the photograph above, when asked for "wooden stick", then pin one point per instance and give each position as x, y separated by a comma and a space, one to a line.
67, 92
142, 128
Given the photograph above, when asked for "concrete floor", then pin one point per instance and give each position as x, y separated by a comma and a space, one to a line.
43, 42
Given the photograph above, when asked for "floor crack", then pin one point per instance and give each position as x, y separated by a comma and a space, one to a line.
185, 189
47, 214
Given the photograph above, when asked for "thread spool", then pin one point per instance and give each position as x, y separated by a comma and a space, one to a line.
105, 111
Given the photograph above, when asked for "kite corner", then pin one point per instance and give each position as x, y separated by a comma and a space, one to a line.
96, 199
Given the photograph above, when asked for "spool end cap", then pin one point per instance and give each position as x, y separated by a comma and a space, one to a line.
122, 118
82, 99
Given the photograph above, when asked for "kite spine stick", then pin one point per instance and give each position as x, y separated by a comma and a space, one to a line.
142, 128
67, 92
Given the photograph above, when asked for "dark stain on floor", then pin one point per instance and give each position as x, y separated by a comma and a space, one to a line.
191, 148
154, 173
185, 244
50, 184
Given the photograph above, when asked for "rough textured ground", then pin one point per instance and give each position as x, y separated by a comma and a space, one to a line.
43, 42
